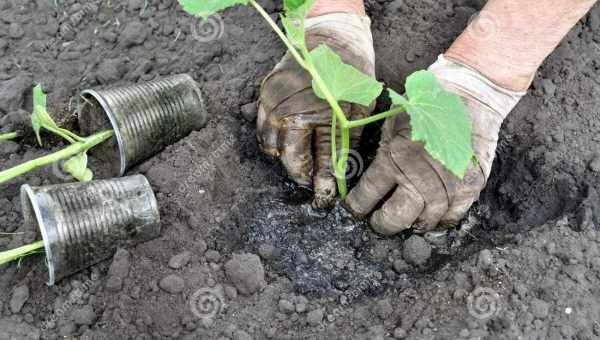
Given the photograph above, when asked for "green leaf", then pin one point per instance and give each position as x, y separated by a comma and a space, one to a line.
295, 31
206, 8
297, 8
40, 117
439, 119
344, 81
76, 166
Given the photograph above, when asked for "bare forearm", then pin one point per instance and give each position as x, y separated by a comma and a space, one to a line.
512, 38
322, 7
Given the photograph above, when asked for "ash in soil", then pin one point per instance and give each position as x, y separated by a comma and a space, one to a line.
533, 236
323, 253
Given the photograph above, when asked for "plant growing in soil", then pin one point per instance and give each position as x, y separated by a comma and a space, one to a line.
8, 136
438, 118
75, 164
75, 154
18, 254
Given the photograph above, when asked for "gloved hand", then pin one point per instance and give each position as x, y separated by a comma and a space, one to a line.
424, 195
293, 124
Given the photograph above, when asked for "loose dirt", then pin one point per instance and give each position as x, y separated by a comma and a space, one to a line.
525, 264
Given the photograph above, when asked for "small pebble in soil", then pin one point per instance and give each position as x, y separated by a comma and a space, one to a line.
384, 309
120, 264
231, 292
15, 31
135, 33
67, 329
301, 304
286, 306
9, 147
212, 256
315, 317
19, 297
266, 251
200, 247
180, 260
540, 308
485, 259
249, 111
84, 315
399, 333
114, 284
246, 272
416, 250
172, 284
400, 266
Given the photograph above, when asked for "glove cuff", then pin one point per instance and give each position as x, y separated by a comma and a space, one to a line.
470, 81
354, 30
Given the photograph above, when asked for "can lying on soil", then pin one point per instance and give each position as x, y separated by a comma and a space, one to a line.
84, 223
145, 117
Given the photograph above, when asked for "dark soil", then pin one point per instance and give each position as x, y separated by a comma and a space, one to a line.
525, 264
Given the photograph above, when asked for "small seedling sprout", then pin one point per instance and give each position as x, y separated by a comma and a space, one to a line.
438, 118
8, 136
75, 155
18, 254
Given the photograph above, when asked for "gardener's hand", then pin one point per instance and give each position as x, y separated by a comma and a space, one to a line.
418, 191
293, 124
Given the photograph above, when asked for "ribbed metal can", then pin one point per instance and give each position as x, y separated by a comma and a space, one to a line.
84, 223
145, 117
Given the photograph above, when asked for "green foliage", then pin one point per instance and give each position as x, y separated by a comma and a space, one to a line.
18, 253
76, 166
40, 117
297, 9
345, 82
206, 8
295, 32
8, 136
439, 119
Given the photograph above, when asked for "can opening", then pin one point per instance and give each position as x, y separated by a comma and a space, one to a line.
93, 119
32, 217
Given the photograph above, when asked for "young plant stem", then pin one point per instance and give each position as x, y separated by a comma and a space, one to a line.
8, 136
66, 134
305, 63
70, 151
304, 60
19, 253
376, 117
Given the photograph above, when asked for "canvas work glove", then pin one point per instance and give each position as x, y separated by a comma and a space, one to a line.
293, 124
418, 191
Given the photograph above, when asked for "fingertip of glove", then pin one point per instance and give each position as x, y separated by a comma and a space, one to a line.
321, 201
381, 226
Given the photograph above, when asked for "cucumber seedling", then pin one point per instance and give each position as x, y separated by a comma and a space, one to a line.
75, 154
438, 118
8, 136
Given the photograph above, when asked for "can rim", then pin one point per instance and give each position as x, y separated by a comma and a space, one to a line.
114, 123
28, 193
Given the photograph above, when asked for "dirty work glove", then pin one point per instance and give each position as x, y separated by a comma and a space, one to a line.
416, 190
293, 124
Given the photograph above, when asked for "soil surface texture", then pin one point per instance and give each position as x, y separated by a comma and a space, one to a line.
242, 255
